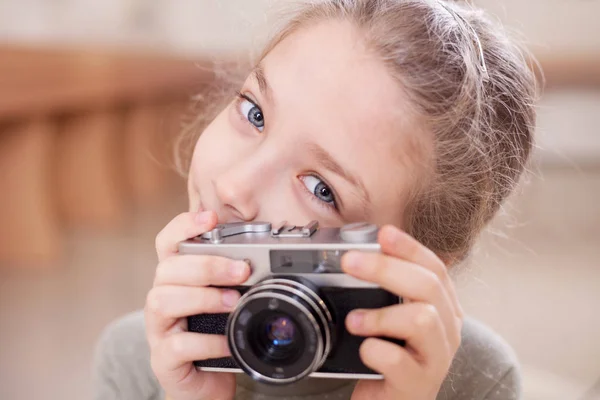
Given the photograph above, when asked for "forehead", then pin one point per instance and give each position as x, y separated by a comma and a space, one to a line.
328, 67
338, 94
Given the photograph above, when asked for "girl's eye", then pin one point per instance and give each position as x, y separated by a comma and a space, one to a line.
319, 189
252, 113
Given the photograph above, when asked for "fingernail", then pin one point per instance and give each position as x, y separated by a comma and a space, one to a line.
355, 319
352, 261
237, 269
230, 298
203, 217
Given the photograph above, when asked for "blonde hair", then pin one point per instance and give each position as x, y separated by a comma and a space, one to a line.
473, 87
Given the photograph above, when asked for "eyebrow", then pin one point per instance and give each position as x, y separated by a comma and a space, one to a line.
328, 162
263, 85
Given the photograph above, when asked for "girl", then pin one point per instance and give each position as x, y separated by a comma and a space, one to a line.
416, 115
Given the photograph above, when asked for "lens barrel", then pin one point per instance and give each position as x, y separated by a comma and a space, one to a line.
281, 330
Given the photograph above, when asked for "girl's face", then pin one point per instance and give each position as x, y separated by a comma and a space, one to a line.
320, 131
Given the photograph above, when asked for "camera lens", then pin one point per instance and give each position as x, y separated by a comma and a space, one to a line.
280, 331
277, 339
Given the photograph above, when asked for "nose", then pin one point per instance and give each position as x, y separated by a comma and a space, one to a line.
236, 192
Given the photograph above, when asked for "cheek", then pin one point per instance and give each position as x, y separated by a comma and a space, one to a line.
215, 146
210, 154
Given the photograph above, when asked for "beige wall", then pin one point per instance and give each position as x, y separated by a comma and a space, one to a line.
196, 25
552, 26
192, 26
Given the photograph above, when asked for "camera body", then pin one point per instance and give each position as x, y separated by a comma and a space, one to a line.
290, 320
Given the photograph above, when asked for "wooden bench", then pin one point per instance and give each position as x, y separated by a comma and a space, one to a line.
82, 137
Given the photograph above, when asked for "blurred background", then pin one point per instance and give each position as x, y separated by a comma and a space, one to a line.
91, 96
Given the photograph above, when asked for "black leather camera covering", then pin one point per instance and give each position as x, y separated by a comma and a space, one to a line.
344, 357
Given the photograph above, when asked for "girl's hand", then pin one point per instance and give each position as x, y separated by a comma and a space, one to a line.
180, 290
430, 322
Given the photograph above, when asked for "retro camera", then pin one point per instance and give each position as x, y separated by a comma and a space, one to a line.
289, 322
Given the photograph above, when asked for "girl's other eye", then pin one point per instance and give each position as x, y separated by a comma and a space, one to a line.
320, 190
252, 112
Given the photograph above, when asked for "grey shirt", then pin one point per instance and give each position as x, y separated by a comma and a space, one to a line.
484, 368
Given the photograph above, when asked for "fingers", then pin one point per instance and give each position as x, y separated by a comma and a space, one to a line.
182, 227
178, 350
417, 323
392, 361
195, 270
181, 290
165, 305
407, 280
400, 244
172, 363
397, 243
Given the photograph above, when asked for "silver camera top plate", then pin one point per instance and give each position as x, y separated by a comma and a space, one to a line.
310, 251
359, 232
